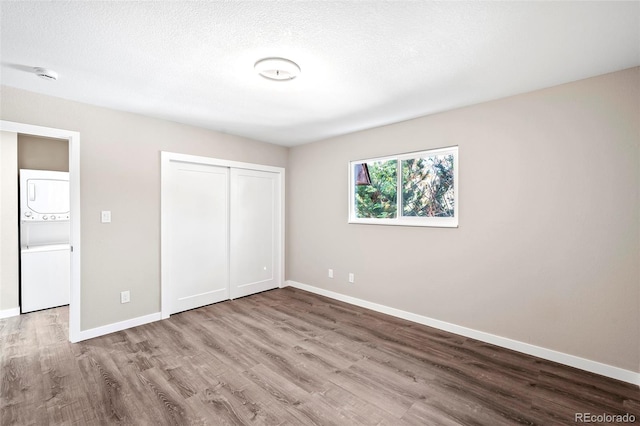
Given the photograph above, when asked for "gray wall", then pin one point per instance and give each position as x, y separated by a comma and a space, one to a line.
548, 247
120, 171
43, 153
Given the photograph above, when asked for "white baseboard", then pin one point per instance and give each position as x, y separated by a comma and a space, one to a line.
6, 313
540, 352
118, 326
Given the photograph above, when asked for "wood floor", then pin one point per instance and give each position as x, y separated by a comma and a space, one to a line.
285, 357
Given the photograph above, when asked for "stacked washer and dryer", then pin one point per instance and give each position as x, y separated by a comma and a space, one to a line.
44, 239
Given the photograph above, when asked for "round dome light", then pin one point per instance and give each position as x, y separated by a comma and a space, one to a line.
277, 69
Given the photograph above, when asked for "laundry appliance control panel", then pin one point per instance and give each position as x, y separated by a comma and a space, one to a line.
33, 217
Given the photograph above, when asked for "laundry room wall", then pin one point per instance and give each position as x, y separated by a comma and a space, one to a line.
39, 153
8, 224
120, 172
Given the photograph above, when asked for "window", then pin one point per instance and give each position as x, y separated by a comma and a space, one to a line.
415, 189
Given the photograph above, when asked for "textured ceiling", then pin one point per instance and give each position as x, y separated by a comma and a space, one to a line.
364, 64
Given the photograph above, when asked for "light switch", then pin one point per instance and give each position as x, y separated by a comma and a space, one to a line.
106, 216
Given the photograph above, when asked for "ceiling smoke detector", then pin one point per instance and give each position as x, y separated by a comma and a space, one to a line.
277, 69
46, 73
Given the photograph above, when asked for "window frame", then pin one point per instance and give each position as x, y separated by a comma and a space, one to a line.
400, 219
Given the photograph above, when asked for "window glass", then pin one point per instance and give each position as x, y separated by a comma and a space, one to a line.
377, 199
412, 189
428, 186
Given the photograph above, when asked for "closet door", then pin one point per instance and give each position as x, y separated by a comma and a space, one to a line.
255, 222
197, 217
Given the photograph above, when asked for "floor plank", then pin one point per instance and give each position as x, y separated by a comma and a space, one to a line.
285, 357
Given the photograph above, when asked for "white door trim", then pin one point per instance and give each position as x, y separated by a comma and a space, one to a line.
74, 193
165, 159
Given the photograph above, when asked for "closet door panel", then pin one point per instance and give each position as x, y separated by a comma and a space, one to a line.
254, 231
198, 231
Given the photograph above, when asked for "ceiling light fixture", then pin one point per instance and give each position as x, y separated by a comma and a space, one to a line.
277, 69
46, 73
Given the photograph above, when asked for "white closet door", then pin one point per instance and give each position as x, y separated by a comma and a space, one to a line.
255, 223
198, 218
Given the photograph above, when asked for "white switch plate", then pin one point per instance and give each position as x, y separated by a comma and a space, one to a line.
330, 274
125, 296
105, 216
352, 277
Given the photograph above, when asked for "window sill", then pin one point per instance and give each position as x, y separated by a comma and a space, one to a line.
439, 223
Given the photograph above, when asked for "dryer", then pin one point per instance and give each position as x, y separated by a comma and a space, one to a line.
45, 267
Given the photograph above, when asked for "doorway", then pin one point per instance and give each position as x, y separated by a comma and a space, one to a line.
73, 139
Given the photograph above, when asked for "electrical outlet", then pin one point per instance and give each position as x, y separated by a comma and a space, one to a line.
125, 296
352, 277
105, 216
330, 274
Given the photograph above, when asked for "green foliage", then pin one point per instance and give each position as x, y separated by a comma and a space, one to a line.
379, 200
427, 188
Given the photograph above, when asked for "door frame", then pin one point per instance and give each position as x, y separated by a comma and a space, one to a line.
74, 196
166, 158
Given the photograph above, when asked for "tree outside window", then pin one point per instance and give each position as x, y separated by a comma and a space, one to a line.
417, 189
